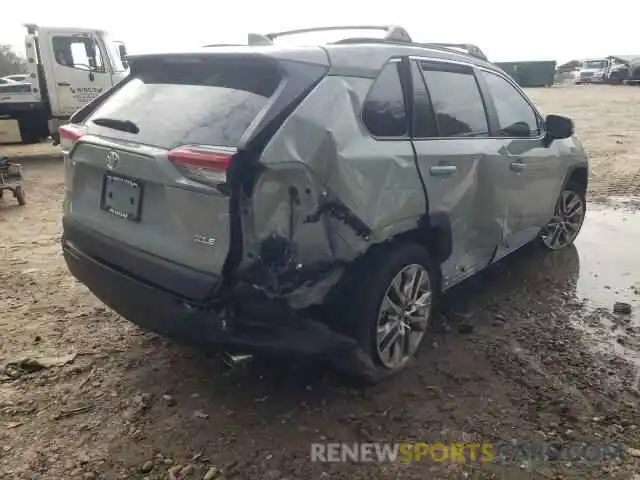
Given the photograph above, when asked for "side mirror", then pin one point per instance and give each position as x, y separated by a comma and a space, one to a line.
557, 127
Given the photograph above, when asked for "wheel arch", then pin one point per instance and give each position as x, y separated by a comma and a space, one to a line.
433, 231
577, 175
430, 230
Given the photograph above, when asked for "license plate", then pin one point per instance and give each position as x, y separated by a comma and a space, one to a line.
122, 197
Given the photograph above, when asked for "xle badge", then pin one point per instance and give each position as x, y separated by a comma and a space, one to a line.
208, 241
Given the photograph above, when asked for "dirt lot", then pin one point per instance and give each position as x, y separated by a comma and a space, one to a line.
531, 352
609, 130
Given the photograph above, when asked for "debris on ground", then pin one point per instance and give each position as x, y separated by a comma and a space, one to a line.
17, 368
169, 400
72, 412
146, 467
634, 452
211, 474
622, 308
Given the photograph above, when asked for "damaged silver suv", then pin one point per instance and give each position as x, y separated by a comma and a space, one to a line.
310, 200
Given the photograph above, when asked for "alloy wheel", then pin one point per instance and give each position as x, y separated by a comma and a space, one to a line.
403, 316
567, 220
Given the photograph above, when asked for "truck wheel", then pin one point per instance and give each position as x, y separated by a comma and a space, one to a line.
20, 196
28, 129
33, 128
390, 306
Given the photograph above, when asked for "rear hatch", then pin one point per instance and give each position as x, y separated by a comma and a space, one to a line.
148, 166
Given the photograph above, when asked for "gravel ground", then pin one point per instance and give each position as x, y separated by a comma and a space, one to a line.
531, 351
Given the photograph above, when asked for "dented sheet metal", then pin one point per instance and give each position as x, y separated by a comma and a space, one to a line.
325, 194
460, 185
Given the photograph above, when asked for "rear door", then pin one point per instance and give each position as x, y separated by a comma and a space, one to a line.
534, 171
77, 69
451, 137
150, 171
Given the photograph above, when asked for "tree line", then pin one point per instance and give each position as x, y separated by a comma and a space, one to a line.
10, 62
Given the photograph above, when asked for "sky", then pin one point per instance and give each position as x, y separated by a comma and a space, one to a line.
560, 30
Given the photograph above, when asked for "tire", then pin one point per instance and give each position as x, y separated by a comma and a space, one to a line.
21, 196
373, 281
28, 130
567, 221
33, 128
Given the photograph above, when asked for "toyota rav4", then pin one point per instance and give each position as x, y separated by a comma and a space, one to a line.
310, 200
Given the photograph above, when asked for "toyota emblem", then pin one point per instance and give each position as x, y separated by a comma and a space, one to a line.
112, 160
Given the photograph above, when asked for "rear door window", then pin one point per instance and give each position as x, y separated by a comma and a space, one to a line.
208, 103
384, 112
456, 100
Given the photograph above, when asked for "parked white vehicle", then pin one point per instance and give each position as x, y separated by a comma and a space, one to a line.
67, 68
593, 71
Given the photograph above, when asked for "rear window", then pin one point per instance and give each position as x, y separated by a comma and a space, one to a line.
209, 103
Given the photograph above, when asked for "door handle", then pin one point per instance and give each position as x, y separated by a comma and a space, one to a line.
443, 170
64, 84
518, 166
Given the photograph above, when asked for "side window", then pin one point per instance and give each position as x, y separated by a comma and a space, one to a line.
81, 53
515, 115
424, 122
384, 112
456, 100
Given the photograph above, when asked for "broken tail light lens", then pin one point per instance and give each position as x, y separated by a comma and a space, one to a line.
69, 136
203, 164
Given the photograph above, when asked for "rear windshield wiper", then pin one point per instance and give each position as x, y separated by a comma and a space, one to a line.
116, 124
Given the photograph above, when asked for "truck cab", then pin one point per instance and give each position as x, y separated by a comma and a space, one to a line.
66, 69
594, 70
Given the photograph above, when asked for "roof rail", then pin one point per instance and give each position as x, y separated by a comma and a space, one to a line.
393, 33
257, 39
469, 48
224, 45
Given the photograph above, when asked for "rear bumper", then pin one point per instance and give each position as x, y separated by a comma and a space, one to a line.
248, 323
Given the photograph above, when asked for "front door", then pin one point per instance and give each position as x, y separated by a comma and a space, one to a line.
533, 171
451, 138
77, 69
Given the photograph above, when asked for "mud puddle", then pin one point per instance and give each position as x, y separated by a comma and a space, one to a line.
608, 271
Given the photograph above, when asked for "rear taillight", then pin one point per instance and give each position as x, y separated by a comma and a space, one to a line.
69, 136
203, 163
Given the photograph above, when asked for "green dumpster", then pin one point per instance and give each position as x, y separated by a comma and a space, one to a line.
530, 74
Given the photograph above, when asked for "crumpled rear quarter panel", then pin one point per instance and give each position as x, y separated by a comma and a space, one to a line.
328, 191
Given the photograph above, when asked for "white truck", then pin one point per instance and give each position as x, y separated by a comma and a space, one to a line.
67, 68
611, 69
593, 70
